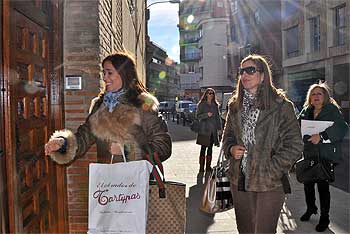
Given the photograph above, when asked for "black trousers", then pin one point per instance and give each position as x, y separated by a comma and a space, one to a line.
324, 195
210, 148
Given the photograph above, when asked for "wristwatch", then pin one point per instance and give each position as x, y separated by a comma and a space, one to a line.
321, 137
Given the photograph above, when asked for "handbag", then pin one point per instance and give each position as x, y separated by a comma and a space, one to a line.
167, 202
217, 196
195, 125
315, 169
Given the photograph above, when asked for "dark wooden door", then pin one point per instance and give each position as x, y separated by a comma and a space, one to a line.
30, 44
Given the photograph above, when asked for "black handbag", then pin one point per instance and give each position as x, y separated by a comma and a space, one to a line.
195, 125
312, 170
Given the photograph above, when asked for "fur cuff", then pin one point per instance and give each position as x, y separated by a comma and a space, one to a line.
72, 147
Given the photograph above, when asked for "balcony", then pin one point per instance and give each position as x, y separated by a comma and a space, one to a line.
189, 41
190, 57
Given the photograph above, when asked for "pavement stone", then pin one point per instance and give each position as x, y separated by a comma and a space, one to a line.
183, 167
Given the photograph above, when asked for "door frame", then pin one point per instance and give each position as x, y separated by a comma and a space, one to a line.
3, 196
13, 209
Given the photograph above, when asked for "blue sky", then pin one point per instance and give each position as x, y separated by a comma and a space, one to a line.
162, 27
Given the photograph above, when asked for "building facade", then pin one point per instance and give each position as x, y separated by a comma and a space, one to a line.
316, 47
162, 78
255, 27
203, 47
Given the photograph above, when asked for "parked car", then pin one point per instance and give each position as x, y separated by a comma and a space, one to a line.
166, 106
190, 113
181, 107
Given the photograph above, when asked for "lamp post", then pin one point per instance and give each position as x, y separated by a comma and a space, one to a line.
169, 1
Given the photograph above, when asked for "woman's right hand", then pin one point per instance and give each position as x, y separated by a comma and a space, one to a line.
237, 151
53, 145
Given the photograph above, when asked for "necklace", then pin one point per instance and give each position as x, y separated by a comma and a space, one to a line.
316, 112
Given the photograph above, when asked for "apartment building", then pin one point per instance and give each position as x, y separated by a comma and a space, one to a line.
162, 78
203, 47
315, 36
255, 27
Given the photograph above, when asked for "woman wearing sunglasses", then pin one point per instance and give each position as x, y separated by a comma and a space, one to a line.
210, 127
262, 140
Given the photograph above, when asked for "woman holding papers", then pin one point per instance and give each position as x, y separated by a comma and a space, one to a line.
262, 140
124, 117
319, 106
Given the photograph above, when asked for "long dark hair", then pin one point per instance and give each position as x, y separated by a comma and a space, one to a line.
266, 90
125, 65
204, 97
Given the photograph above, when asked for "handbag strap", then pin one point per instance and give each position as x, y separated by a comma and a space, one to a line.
221, 156
153, 158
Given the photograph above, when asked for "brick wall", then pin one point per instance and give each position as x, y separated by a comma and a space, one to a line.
81, 57
92, 30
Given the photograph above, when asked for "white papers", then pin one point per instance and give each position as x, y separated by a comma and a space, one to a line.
310, 127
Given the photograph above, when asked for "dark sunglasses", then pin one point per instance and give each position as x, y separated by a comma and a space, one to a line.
249, 70
211, 93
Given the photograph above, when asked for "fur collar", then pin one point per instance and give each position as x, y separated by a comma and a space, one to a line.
117, 125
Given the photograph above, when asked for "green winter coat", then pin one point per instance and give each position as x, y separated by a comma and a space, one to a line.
336, 132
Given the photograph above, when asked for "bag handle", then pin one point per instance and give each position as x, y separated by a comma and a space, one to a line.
221, 156
156, 171
123, 153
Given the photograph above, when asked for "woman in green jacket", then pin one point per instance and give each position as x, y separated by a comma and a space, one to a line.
320, 106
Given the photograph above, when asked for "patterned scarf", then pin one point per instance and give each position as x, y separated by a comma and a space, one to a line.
111, 99
250, 116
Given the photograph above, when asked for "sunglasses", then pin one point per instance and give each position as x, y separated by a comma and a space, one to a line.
210, 93
249, 70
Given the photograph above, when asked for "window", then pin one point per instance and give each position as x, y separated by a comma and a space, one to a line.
340, 25
315, 36
234, 34
292, 41
191, 68
257, 17
200, 32
234, 6
290, 7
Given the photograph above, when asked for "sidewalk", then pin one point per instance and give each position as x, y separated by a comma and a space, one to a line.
183, 167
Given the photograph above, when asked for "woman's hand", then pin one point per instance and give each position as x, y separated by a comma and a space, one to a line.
315, 139
115, 149
237, 151
53, 145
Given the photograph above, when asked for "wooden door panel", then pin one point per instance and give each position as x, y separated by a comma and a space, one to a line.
30, 87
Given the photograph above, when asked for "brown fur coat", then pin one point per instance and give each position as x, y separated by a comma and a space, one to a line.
130, 126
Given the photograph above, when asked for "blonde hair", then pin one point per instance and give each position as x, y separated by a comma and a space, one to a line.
326, 92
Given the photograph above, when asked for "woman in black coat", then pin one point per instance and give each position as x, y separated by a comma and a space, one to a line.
320, 106
210, 127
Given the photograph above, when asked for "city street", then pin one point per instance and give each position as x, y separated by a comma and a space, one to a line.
183, 167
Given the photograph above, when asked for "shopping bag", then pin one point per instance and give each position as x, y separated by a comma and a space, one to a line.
118, 197
217, 196
167, 202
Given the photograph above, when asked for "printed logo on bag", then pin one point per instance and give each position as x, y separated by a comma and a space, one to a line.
103, 198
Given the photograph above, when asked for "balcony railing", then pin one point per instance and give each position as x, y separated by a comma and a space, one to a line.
190, 56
